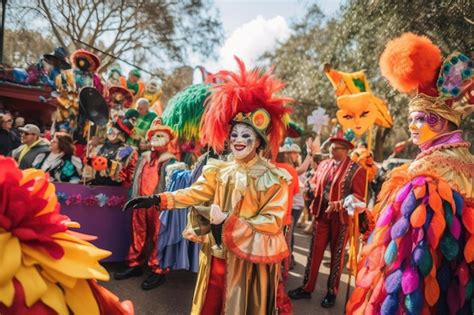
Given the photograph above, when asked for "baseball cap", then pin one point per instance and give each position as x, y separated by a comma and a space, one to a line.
30, 128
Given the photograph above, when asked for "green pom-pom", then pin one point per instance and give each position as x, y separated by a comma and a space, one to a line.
426, 262
463, 57
469, 287
466, 73
444, 90
449, 247
454, 60
446, 68
455, 91
440, 81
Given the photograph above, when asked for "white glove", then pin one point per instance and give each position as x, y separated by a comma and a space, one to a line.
351, 203
216, 214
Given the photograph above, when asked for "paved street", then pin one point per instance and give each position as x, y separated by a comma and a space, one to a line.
174, 297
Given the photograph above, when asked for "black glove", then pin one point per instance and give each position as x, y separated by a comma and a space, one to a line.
142, 202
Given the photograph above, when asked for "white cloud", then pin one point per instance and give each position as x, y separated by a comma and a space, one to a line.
250, 41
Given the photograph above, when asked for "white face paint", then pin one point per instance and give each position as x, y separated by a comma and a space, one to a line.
159, 139
112, 134
243, 141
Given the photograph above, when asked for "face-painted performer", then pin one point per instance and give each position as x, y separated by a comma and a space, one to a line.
419, 257
239, 269
149, 179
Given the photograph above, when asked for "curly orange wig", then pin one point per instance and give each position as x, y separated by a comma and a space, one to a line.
243, 92
411, 62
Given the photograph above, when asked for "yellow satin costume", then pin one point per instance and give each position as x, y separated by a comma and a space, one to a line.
255, 196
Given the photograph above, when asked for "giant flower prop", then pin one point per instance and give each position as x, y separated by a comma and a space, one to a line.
45, 268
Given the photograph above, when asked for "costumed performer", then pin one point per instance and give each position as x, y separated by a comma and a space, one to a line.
46, 268
149, 179
419, 257
144, 119
133, 83
240, 268
335, 180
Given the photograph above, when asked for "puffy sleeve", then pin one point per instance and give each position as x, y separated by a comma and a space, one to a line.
200, 192
260, 239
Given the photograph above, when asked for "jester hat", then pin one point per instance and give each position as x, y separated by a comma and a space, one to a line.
93, 59
412, 63
157, 126
184, 112
126, 95
245, 97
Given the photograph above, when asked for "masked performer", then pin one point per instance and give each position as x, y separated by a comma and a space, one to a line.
46, 268
120, 99
240, 267
114, 161
419, 257
149, 179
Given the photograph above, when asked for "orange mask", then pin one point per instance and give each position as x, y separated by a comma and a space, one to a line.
357, 112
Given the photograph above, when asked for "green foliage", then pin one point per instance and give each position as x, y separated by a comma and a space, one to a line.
354, 39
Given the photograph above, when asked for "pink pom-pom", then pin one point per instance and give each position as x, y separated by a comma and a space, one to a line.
410, 280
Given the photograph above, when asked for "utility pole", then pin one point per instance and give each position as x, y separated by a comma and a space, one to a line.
2, 32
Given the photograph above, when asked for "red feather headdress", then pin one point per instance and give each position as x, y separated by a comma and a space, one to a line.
243, 92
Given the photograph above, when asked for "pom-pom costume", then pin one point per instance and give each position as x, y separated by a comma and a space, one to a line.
46, 268
239, 268
113, 163
419, 257
149, 179
120, 99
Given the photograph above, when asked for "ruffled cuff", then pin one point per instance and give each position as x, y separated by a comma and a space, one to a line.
166, 201
248, 244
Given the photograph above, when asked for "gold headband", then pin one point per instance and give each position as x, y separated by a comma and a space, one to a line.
436, 105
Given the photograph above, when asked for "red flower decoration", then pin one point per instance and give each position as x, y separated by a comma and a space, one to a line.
28, 207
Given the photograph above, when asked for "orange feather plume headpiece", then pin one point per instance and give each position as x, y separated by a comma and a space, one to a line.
245, 97
412, 63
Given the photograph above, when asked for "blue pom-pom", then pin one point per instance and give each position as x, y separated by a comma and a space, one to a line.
444, 277
455, 91
389, 305
466, 73
446, 68
400, 228
393, 281
454, 60
414, 302
390, 253
463, 57
459, 202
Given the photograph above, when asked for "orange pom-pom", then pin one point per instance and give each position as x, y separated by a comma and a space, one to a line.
410, 62
431, 290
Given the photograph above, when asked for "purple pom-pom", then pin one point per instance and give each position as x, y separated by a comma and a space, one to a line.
418, 181
410, 280
400, 228
455, 227
389, 305
393, 281
409, 204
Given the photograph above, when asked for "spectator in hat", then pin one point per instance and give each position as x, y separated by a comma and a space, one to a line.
133, 83
8, 139
33, 148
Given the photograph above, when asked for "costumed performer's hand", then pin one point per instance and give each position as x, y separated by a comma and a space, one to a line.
334, 206
190, 235
142, 202
216, 214
351, 204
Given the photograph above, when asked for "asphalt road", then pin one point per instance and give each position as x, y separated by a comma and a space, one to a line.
175, 295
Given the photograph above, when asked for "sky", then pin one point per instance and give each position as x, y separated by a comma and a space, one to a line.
254, 27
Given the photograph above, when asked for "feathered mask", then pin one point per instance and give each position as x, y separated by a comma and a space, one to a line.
413, 63
245, 97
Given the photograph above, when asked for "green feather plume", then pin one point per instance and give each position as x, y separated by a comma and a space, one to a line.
184, 111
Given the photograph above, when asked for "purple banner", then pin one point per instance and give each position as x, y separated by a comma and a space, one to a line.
98, 210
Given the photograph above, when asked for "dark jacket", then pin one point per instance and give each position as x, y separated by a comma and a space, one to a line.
33, 157
67, 168
8, 142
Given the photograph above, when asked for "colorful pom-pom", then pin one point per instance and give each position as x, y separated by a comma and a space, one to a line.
385, 216
391, 253
400, 228
390, 305
418, 217
455, 228
410, 280
431, 290
409, 204
393, 281
403, 193
449, 247
414, 302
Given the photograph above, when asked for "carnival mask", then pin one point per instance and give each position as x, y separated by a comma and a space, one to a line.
112, 134
83, 64
425, 126
243, 141
357, 112
152, 87
159, 140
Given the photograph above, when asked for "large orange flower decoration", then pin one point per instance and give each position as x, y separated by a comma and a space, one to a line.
46, 269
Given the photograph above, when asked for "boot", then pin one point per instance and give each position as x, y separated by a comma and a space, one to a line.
299, 293
329, 301
128, 273
153, 281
